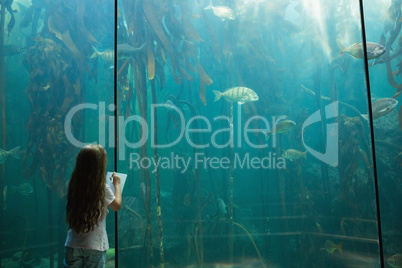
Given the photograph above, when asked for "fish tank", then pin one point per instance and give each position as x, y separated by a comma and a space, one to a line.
253, 133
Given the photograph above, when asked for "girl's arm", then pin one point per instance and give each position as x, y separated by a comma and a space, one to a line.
116, 204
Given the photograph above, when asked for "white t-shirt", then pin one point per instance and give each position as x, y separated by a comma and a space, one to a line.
97, 238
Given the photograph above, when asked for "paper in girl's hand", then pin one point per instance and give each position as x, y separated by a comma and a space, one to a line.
109, 180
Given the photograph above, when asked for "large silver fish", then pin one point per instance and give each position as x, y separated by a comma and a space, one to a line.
124, 51
223, 12
6, 154
237, 94
374, 50
382, 107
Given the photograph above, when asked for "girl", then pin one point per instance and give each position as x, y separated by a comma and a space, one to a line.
87, 199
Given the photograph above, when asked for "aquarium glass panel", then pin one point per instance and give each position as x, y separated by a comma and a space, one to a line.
383, 27
243, 134
54, 85
242, 127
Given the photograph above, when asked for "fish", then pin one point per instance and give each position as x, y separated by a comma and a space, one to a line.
374, 50
292, 154
10, 50
237, 94
5, 197
309, 91
223, 12
330, 247
4, 155
382, 107
395, 260
23, 189
5, 193
281, 127
318, 226
221, 211
124, 51
400, 117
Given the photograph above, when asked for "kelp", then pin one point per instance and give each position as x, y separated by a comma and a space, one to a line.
190, 31
11, 22
68, 41
350, 140
157, 27
50, 104
81, 24
388, 43
188, 27
3, 117
157, 180
204, 80
55, 87
400, 117
390, 77
213, 35
151, 62
52, 93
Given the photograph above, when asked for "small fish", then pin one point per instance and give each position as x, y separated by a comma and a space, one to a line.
223, 12
5, 197
382, 107
10, 50
124, 51
221, 210
237, 94
374, 50
107, 55
318, 226
5, 193
281, 127
23, 189
292, 154
395, 260
5, 154
330, 247
309, 91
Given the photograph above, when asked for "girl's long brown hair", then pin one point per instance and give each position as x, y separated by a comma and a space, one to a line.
86, 189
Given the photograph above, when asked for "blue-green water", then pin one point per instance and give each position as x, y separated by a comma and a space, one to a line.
205, 188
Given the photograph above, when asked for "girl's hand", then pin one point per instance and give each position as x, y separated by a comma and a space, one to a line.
116, 179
